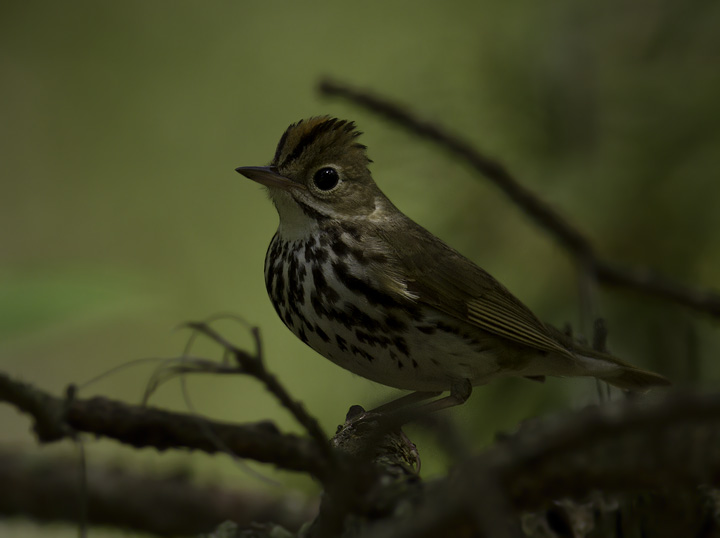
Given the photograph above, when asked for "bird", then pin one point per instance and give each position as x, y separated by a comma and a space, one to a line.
377, 294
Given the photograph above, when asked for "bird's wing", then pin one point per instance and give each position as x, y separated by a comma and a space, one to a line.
443, 279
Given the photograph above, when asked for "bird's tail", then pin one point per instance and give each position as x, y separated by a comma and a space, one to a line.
609, 368
636, 379
622, 374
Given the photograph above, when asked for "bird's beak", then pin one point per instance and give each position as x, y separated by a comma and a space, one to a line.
269, 176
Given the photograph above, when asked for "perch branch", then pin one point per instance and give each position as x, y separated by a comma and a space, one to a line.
623, 447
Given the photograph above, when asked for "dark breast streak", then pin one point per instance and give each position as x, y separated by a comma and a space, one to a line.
318, 296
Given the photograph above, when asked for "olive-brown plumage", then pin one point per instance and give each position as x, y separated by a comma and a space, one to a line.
376, 293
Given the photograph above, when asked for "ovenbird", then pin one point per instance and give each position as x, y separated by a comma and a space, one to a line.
377, 294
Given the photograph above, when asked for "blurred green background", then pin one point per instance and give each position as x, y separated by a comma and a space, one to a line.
121, 215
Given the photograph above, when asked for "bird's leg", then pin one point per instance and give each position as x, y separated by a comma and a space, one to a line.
460, 391
404, 401
405, 408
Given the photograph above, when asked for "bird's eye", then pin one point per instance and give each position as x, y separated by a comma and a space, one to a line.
326, 179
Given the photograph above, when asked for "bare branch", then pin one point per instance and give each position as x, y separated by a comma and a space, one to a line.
47, 490
57, 418
668, 445
620, 446
547, 217
574, 242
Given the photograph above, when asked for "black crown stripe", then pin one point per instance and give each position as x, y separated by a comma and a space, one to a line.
307, 139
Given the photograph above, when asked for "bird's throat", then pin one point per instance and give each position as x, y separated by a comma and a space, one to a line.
298, 221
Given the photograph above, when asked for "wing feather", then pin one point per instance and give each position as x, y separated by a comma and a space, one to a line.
445, 280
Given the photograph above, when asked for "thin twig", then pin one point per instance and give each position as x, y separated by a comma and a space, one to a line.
599, 343
255, 367
574, 242
83, 497
219, 442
